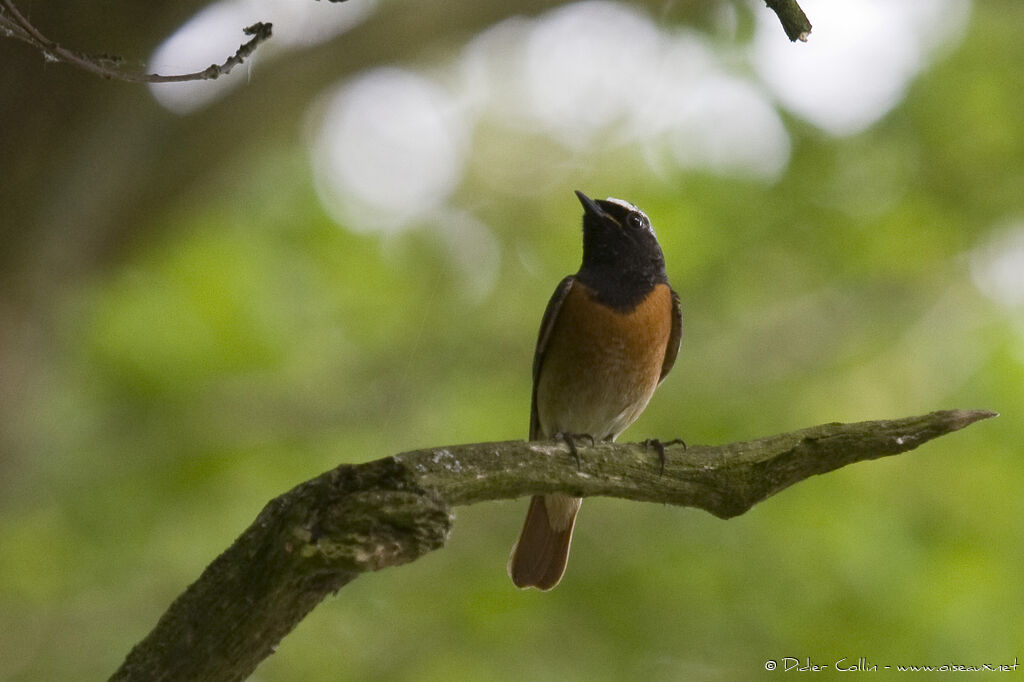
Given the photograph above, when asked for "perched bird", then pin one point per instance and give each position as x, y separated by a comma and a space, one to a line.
608, 337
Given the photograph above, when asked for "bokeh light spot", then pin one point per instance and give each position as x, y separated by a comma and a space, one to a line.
215, 32
860, 59
387, 149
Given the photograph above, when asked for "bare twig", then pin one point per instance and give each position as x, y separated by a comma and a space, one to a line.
260, 32
322, 534
14, 24
18, 26
794, 21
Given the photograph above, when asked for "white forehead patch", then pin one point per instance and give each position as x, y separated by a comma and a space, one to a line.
624, 204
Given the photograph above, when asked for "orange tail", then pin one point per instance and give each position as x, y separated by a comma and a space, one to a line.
539, 557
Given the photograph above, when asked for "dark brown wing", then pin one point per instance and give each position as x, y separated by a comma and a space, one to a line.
547, 323
674, 339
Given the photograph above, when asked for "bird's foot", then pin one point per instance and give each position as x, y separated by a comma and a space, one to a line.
660, 447
570, 440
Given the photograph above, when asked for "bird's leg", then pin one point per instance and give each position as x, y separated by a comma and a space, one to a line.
660, 447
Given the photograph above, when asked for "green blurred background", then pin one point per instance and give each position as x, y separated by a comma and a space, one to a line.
210, 293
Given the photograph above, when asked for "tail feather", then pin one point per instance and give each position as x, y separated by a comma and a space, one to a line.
539, 557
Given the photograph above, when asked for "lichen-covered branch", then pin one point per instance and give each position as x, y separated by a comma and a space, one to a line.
794, 21
317, 537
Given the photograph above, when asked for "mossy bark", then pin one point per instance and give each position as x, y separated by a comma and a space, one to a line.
312, 540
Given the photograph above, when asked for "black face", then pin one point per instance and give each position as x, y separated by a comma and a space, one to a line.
621, 255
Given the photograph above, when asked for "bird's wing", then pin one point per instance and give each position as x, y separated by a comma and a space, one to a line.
547, 323
674, 339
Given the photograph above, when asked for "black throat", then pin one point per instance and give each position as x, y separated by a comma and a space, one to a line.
621, 270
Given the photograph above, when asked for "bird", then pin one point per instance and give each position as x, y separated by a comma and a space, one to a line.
608, 337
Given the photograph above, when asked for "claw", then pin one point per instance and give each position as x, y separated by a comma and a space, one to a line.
660, 447
570, 440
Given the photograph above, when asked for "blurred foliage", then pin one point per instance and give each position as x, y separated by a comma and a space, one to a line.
248, 343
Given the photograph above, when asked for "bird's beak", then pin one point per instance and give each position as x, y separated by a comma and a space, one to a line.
589, 205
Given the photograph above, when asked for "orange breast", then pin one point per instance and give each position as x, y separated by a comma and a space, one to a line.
600, 366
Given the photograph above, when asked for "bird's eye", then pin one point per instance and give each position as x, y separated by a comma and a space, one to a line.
635, 220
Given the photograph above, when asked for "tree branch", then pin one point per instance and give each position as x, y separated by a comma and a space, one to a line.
16, 25
320, 535
794, 21
13, 24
